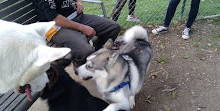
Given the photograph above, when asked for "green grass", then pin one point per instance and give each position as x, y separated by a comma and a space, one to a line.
216, 21
211, 40
153, 11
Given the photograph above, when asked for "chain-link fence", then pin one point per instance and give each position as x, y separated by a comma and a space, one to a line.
154, 11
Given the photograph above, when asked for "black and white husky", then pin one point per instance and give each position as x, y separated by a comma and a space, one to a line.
119, 75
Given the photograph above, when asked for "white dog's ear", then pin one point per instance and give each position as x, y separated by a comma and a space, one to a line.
45, 55
41, 27
51, 53
108, 44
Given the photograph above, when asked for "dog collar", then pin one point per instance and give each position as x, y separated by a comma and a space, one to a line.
123, 84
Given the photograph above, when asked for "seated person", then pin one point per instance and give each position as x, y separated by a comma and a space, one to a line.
74, 32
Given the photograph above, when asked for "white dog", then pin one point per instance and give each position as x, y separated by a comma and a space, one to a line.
25, 57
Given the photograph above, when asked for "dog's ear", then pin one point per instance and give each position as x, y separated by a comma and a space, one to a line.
111, 60
41, 27
43, 56
108, 44
51, 53
38, 67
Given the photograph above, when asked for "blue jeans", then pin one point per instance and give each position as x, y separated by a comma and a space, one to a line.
121, 3
172, 8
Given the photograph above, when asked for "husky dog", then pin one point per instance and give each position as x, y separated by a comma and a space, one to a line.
24, 56
119, 75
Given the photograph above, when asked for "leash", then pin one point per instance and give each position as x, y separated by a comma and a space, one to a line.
123, 84
56, 28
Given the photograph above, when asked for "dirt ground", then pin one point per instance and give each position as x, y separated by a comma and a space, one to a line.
185, 74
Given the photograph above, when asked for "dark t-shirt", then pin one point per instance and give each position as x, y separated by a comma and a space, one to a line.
48, 10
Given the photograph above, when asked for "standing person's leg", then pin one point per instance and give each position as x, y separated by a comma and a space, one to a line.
104, 28
131, 7
169, 15
191, 18
170, 12
193, 12
117, 9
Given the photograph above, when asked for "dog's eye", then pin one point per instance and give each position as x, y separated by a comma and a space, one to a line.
89, 66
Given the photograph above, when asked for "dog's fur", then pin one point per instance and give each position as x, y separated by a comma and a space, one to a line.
109, 68
64, 94
24, 56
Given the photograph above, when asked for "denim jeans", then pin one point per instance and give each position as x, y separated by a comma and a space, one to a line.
172, 9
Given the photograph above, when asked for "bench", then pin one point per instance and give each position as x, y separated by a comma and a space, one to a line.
23, 12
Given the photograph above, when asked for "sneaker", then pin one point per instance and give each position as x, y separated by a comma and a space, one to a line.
160, 30
186, 33
133, 18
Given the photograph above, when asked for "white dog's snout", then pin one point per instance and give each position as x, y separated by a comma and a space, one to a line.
39, 83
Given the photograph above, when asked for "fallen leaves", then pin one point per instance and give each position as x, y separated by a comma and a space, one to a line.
186, 57
166, 107
163, 60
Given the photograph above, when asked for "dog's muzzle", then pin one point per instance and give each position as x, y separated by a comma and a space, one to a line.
83, 78
26, 88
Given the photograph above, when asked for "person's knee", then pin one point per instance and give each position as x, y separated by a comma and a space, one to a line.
117, 27
116, 31
81, 54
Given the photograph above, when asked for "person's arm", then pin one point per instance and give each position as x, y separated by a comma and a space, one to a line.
65, 23
79, 6
62, 21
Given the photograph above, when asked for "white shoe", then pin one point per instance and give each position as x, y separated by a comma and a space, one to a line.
133, 18
186, 33
160, 30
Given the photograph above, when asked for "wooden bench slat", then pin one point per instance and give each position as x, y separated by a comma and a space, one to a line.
50, 44
26, 17
8, 100
31, 20
4, 97
7, 3
12, 101
25, 104
13, 8
22, 13
15, 102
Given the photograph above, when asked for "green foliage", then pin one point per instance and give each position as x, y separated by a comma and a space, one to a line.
173, 93
153, 11
163, 60
186, 57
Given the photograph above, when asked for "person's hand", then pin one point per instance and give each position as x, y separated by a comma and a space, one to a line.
79, 7
88, 31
